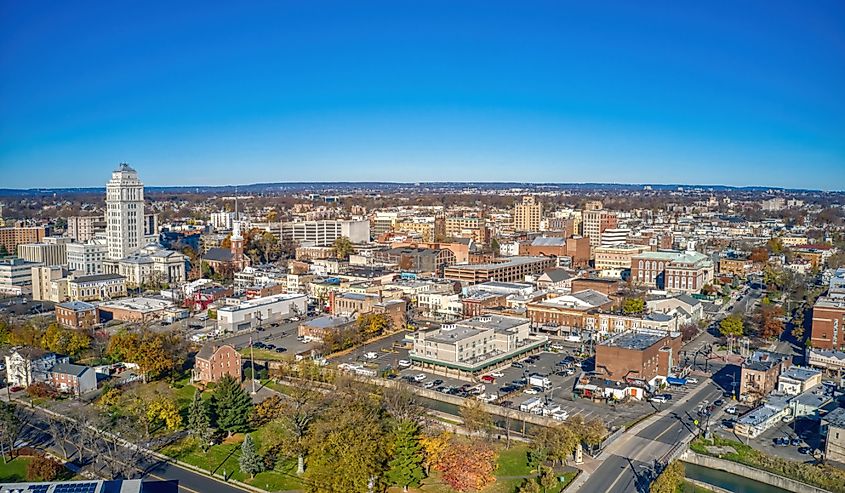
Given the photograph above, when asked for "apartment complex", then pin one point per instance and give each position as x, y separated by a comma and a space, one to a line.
674, 271
472, 227
214, 362
12, 236
527, 215
594, 220
84, 228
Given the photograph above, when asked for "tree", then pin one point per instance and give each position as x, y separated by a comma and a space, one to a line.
759, 255
43, 468
373, 324
775, 245
13, 420
402, 404
348, 445
467, 465
155, 353
266, 411
41, 390
232, 406
529, 485
769, 319
476, 418
292, 426
731, 326
405, 468
199, 422
558, 441
434, 446
165, 411
548, 479
670, 480
342, 248
250, 462
633, 306
64, 341
689, 331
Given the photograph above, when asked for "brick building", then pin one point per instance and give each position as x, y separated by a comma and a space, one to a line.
642, 356
828, 323
12, 236
508, 269
214, 362
759, 375
76, 314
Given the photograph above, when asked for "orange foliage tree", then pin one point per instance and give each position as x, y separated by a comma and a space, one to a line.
467, 465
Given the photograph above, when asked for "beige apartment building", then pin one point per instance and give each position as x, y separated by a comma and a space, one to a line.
527, 214
467, 227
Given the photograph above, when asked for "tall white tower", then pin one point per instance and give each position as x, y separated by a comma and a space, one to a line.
124, 212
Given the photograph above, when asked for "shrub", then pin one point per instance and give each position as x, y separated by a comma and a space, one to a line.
42, 390
43, 469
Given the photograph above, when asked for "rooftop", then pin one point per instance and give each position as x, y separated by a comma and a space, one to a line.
636, 341
77, 306
836, 417
69, 369
799, 373
507, 262
137, 304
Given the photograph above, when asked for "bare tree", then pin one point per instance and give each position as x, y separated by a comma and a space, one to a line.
13, 420
64, 432
402, 404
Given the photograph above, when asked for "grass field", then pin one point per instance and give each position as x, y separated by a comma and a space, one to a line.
14, 470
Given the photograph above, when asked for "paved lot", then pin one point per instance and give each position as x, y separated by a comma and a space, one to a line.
807, 433
388, 352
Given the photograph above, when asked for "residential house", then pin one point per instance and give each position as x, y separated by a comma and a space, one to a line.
213, 362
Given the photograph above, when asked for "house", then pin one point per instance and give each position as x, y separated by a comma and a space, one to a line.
833, 426
797, 380
76, 314
683, 306
72, 379
558, 279
213, 362
27, 365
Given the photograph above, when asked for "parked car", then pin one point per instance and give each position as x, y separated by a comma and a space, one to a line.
517, 364
804, 450
429, 385
532, 391
795, 442
403, 363
719, 403
488, 379
658, 398
497, 374
692, 380
438, 382
371, 355
419, 377
731, 410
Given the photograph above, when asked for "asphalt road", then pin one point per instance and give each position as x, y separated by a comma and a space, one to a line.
630, 469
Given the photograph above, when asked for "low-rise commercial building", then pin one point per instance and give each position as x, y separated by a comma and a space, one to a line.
244, 315
506, 270
759, 375
474, 345
833, 429
16, 275
133, 309
616, 258
642, 357
797, 380
97, 287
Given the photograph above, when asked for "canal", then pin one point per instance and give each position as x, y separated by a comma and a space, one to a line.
728, 481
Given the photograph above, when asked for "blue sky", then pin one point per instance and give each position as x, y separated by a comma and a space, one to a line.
736, 93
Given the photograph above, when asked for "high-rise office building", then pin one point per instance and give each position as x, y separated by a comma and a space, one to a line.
527, 214
124, 212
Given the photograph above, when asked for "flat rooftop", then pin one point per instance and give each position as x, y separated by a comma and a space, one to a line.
799, 373
257, 302
137, 304
451, 333
508, 262
495, 322
636, 341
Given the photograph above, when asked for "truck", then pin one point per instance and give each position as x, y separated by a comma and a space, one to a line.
531, 404
539, 381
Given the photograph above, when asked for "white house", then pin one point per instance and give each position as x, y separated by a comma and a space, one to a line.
27, 365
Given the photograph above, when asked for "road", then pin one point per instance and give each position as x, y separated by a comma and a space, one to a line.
627, 465
189, 482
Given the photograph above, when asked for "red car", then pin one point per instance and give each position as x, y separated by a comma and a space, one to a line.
487, 379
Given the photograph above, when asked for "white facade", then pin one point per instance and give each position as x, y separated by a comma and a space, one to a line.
25, 366
86, 258
248, 314
323, 233
16, 272
124, 212
222, 220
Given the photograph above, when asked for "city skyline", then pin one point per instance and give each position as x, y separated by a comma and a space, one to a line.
383, 92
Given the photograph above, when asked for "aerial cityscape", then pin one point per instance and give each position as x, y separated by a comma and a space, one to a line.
439, 247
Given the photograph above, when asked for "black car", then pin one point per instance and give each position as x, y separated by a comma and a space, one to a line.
281, 349
438, 382
795, 442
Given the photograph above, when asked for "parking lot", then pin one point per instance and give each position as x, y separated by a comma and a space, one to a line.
806, 438
381, 355
558, 395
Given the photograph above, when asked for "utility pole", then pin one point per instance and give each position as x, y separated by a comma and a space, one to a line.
252, 363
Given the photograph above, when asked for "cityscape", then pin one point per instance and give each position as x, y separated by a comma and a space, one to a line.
425, 285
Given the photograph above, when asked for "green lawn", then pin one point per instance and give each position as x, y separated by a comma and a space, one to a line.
15, 470
265, 355
514, 461
224, 457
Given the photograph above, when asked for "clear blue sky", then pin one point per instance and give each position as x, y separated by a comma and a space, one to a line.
714, 92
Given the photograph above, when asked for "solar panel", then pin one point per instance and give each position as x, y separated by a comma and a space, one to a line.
76, 488
39, 488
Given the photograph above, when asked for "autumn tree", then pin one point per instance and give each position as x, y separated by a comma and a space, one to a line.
769, 320
231, 405
434, 445
164, 411
65, 341
731, 326
342, 248
467, 465
43, 468
405, 468
373, 324
689, 331
155, 353
266, 411
348, 445
633, 306
759, 255
249, 461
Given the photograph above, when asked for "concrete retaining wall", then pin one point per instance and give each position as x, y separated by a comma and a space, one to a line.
759, 475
